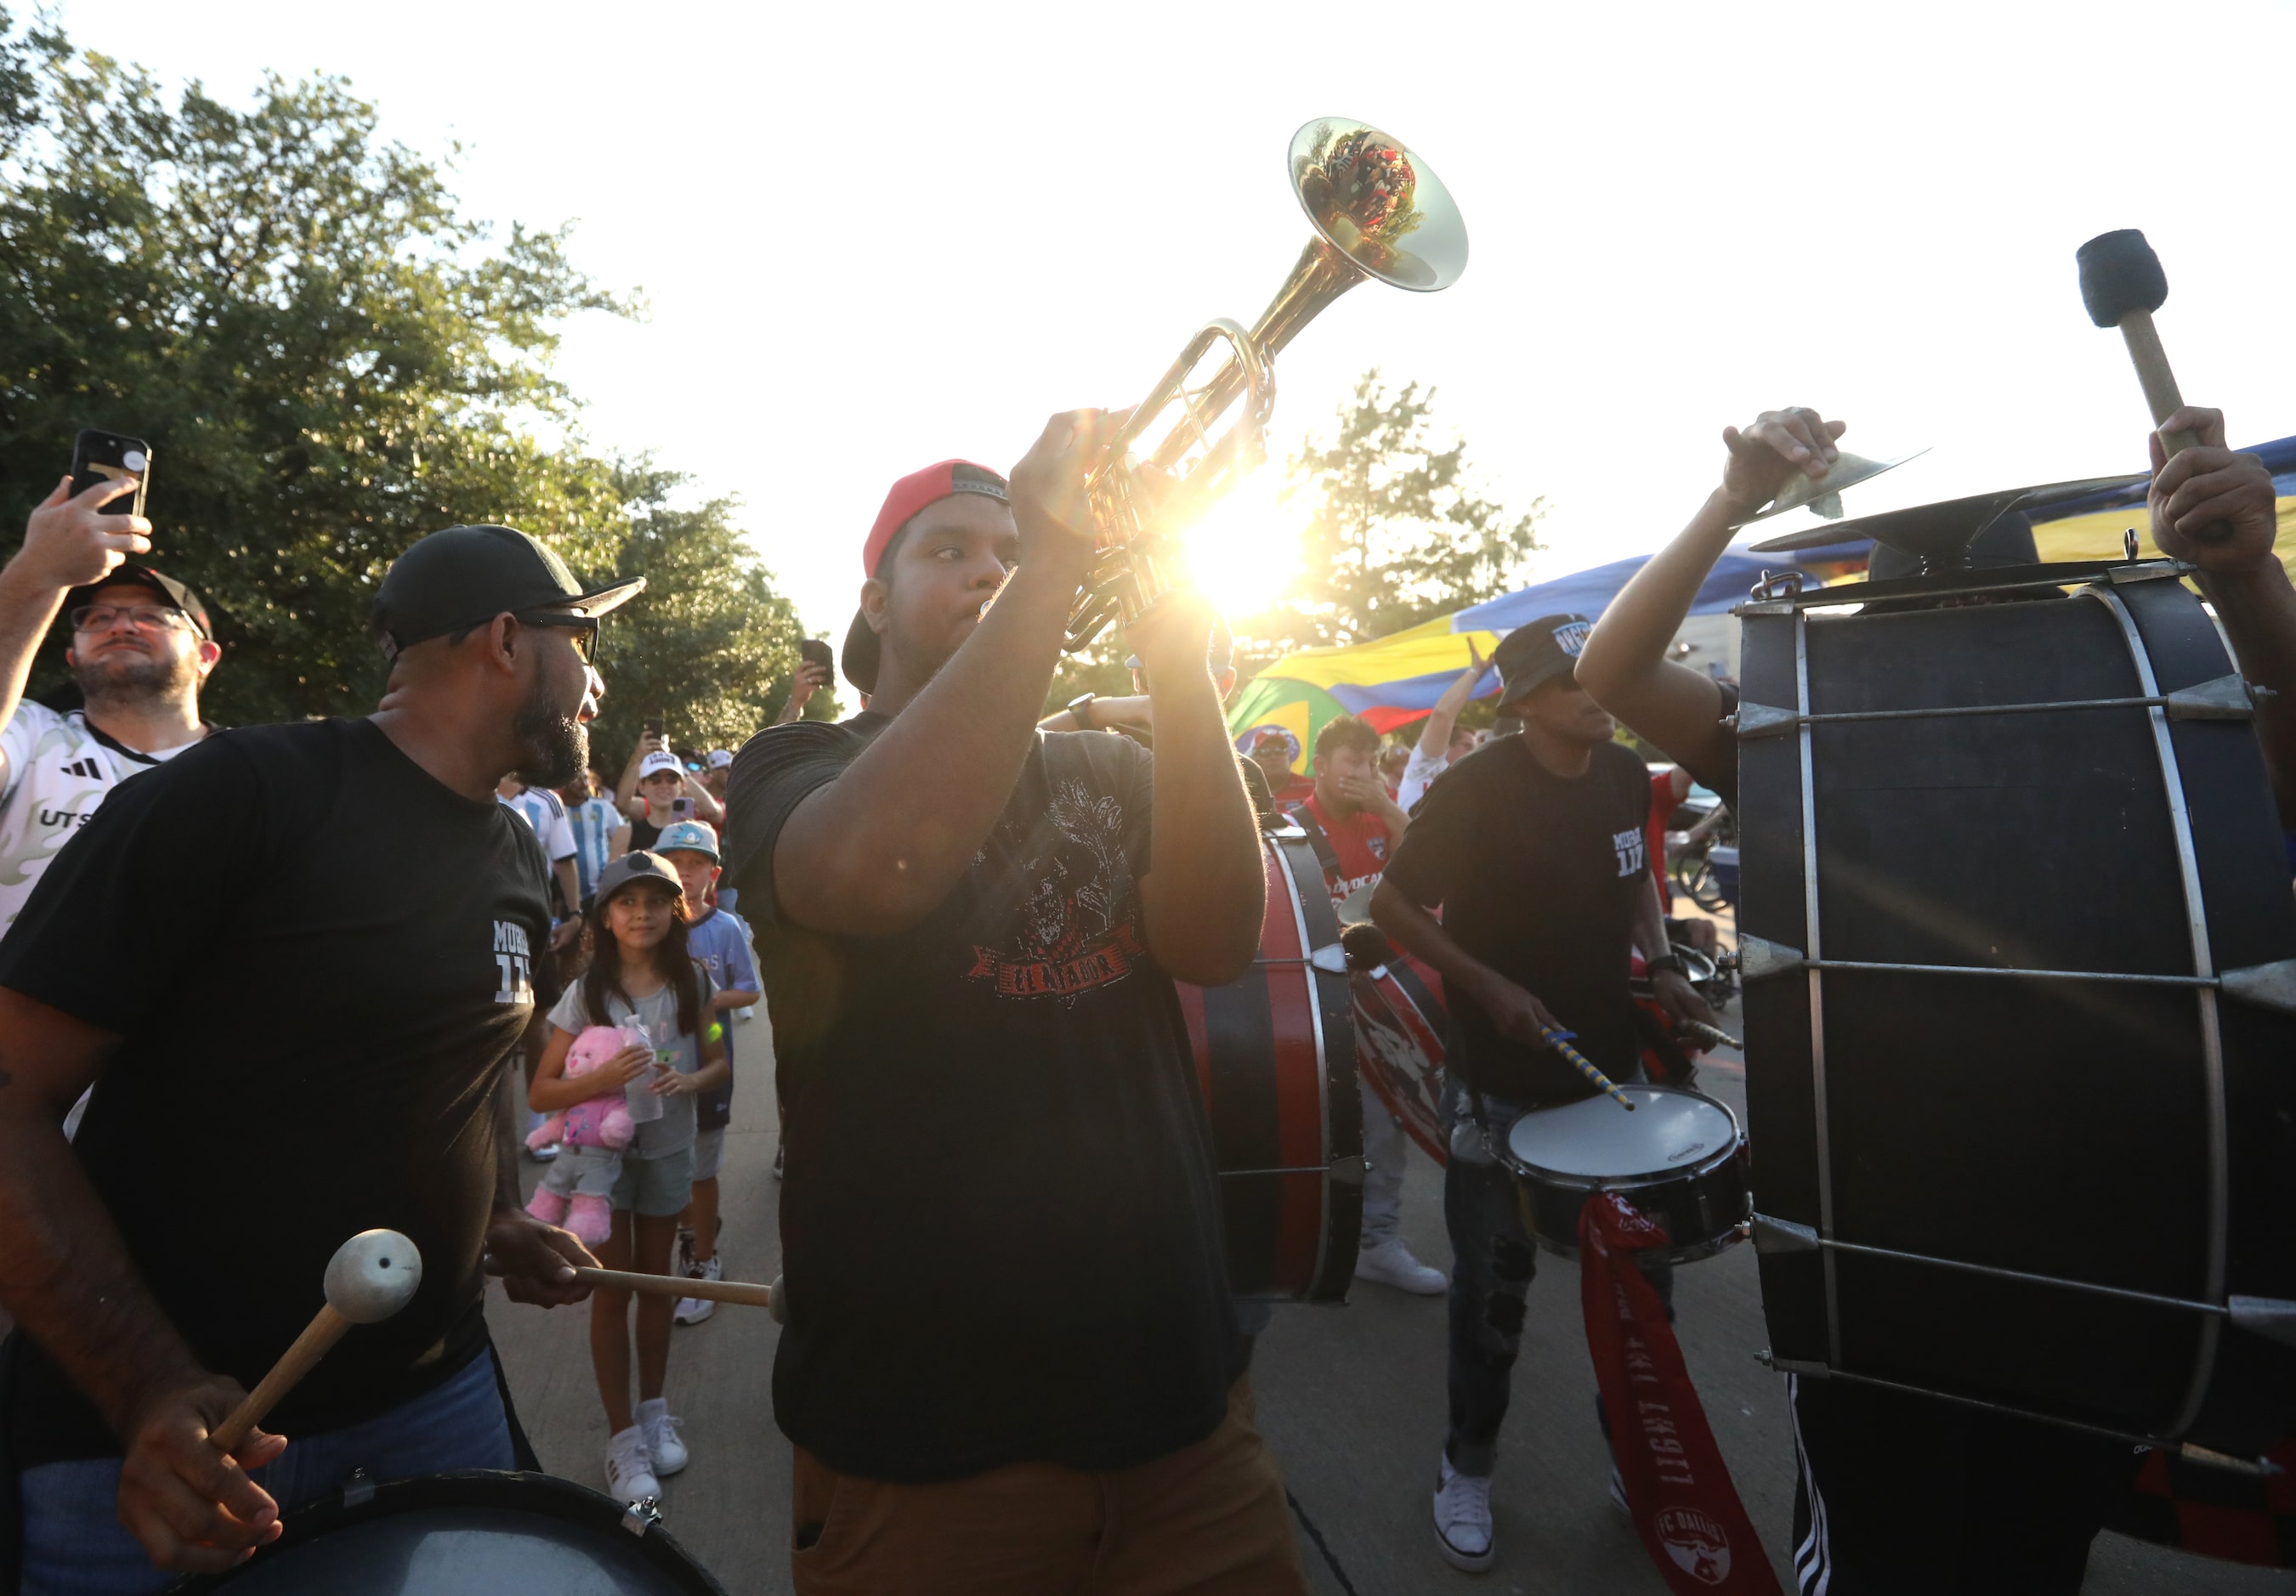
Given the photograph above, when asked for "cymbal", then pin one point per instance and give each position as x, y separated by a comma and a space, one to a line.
1939, 535
1823, 495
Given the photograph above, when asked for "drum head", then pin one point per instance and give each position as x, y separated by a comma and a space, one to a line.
475, 1534
1671, 1129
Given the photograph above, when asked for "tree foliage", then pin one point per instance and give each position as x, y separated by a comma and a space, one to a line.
330, 360
1396, 533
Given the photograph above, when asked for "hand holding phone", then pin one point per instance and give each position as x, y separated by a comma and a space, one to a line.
73, 539
99, 456
681, 808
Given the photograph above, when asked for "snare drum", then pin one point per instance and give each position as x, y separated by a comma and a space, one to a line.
1275, 1054
1679, 1157
478, 1532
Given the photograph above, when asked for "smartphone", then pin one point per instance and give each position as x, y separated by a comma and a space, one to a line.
814, 651
681, 808
98, 456
651, 725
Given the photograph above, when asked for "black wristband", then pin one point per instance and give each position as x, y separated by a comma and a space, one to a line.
1080, 711
1672, 961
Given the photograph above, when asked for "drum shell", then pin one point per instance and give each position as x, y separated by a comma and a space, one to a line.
1401, 1030
1703, 1206
1275, 1058
474, 1532
2054, 1126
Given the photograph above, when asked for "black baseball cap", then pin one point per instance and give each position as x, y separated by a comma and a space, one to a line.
636, 865
465, 576
176, 595
1531, 656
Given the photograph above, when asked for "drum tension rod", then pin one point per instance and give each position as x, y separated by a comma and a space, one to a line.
2270, 1317
2267, 986
2226, 697
2206, 1456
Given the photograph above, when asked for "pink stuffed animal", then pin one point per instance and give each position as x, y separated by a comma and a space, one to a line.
575, 1188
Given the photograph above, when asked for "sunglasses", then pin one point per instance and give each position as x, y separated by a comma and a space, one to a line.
585, 628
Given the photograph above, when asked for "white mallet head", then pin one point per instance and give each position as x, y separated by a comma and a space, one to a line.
372, 1276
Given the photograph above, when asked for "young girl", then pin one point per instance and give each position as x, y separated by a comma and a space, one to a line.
640, 972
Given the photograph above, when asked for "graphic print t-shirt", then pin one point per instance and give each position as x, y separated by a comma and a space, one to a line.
1358, 845
673, 1131
59, 770
333, 960
1001, 1233
1538, 876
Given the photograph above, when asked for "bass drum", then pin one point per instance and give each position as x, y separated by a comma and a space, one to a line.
1275, 1054
472, 1533
2016, 937
1401, 1025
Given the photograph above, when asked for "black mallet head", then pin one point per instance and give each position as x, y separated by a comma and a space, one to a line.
2118, 274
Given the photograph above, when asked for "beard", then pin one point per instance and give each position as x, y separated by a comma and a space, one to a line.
553, 746
124, 675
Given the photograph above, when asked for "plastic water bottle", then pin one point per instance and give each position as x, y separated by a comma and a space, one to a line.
645, 1106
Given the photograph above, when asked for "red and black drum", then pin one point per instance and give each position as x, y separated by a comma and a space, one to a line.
1275, 1051
2020, 963
479, 1532
1399, 1042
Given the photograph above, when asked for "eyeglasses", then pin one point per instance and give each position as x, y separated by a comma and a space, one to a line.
149, 617
585, 628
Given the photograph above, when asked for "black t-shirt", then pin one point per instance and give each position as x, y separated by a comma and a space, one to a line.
317, 958
643, 834
1000, 1225
1538, 876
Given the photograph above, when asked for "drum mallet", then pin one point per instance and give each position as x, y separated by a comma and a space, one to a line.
371, 1277
674, 1285
2122, 284
1559, 1042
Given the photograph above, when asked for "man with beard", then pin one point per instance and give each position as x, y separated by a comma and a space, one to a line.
335, 926
1011, 1363
141, 648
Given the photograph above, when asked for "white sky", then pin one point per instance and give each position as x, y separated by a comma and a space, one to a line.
872, 236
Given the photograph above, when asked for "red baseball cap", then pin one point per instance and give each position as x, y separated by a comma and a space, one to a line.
911, 495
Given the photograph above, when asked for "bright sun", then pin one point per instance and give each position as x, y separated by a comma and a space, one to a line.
1248, 547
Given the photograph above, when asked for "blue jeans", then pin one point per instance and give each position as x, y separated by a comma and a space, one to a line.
74, 1545
1494, 1259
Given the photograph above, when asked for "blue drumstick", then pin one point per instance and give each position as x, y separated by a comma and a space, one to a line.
1559, 1042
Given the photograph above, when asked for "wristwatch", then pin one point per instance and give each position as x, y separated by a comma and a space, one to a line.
1080, 711
1672, 961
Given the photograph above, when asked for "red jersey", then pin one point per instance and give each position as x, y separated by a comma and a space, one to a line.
1359, 842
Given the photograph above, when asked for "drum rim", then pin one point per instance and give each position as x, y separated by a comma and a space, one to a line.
1732, 1146
542, 1495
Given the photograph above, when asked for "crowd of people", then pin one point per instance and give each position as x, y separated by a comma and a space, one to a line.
1012, 1361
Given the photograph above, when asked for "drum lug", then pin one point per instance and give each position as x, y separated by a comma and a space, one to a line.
2226, 698
2267, 986
642, 1515
1764, 720
1776, 1236
1770, 1359
1331, 958
2271, 1317
359, 1490
1347, 1171
1759, 958
2151, 570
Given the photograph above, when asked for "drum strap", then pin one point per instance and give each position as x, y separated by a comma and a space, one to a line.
1326, 855
1685, 1506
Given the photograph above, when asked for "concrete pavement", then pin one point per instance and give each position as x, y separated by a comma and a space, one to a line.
1351, 1398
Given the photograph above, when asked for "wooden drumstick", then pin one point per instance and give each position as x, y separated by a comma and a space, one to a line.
371, 1277
1585, 1067
674, 1285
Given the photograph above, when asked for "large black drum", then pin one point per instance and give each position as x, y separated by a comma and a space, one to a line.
2021, 1082
1276, 1052
472, 1533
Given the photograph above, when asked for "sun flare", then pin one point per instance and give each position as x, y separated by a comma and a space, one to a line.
1248, 547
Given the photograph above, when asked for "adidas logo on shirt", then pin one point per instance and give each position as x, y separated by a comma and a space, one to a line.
86, 769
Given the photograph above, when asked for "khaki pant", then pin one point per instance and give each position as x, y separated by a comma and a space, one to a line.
1209, 1519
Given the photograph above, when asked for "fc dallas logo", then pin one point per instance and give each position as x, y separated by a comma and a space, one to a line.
1698, 1545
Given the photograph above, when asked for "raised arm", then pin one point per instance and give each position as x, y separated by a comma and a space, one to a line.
875, 850
1205, 891
1624, 663
1435, 737
69, 543
707, 809
626, 791
2241, 575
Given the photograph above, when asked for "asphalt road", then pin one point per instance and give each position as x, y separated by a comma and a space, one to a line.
1351, 1398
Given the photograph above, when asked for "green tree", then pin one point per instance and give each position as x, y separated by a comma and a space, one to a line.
328, 359
1397, 532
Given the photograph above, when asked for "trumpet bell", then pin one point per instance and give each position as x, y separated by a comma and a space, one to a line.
1377, 202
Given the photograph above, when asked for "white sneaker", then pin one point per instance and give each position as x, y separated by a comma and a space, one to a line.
1462, 1519
1390, 1263
629, 1468
660, 1433
694, 1310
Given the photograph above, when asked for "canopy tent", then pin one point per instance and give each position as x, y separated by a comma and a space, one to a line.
1391, 681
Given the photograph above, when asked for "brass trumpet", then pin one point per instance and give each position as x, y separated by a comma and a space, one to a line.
1378, 211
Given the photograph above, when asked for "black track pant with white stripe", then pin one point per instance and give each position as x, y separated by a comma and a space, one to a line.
1905, 1496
